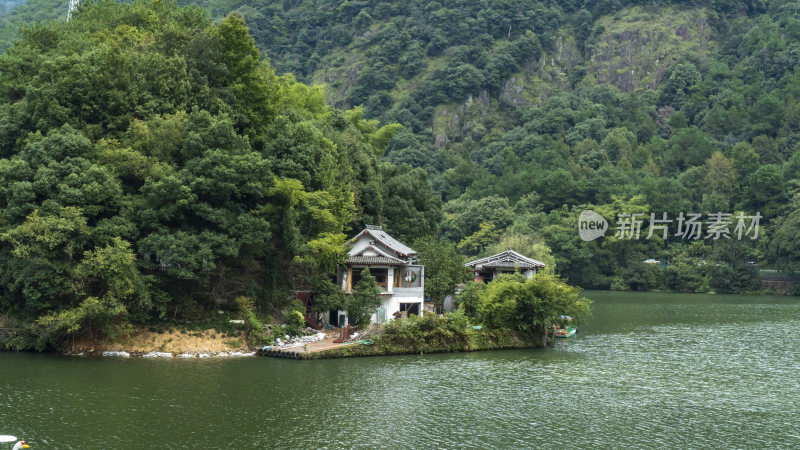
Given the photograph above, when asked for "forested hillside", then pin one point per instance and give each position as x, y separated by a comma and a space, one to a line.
153, 163
156, 145
524, 113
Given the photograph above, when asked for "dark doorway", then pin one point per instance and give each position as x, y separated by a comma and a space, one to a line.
406, 309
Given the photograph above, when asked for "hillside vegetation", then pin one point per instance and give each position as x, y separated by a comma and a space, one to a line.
153, 165
525, 113
157, 160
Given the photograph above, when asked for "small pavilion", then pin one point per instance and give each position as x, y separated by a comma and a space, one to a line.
509, 261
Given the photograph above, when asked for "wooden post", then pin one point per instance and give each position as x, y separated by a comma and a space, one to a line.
349, 279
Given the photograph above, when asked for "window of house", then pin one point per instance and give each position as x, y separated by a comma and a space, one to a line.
411, 276
380, 275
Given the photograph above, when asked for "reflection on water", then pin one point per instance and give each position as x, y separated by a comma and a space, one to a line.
647, 370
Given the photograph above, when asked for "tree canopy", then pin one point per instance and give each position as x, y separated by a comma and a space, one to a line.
176, 144
152, 161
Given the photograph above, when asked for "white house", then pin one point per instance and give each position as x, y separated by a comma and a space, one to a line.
509, 261
392, 263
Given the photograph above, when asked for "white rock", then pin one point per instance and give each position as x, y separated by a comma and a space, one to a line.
117, 354
157, 355
185, 355
203, 355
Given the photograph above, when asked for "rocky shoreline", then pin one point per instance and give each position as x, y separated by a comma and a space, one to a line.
176, 345
164, 355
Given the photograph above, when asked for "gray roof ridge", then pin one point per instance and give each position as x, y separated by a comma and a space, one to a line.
380, 235
504, 256
381, 252
375, 260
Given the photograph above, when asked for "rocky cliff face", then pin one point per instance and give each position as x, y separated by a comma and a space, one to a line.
455, 122
338, 82
633, 50
533, 84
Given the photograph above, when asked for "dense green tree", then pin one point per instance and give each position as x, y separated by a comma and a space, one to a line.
470, 299
411, 209
528, 306
152, 161
721, 177
167, 129
327, 295
477, 242
766, 190
364, 300
39, 265
444, 268
785, 246
464, 217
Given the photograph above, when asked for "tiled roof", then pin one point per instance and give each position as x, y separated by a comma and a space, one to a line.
508, 258
379, 251
390, 242
506, 264
381, 260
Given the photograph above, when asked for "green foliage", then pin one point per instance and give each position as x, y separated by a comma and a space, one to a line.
40, 260
431, 333
478, 241
411, 209
364, 300
619, 284
16, 13
377, 137
444, 268
107, 316
252, 326
295, 323
527, 306
327, 295
688, 106
470, 300
112, 268
785, 246
687, 274
151, 159
452, 330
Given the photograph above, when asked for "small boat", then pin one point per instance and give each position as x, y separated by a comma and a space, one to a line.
565, 332
5, 438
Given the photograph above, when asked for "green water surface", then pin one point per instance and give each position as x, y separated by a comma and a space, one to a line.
646, 371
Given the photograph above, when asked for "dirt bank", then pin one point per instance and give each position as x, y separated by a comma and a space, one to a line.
143, 340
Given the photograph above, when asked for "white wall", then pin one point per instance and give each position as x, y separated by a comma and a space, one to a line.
392, 305
360, 245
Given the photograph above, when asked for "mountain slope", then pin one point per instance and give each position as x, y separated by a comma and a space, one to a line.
523, 113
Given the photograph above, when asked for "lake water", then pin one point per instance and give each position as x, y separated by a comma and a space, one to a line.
646, 371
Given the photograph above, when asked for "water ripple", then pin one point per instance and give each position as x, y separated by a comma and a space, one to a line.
719, 372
